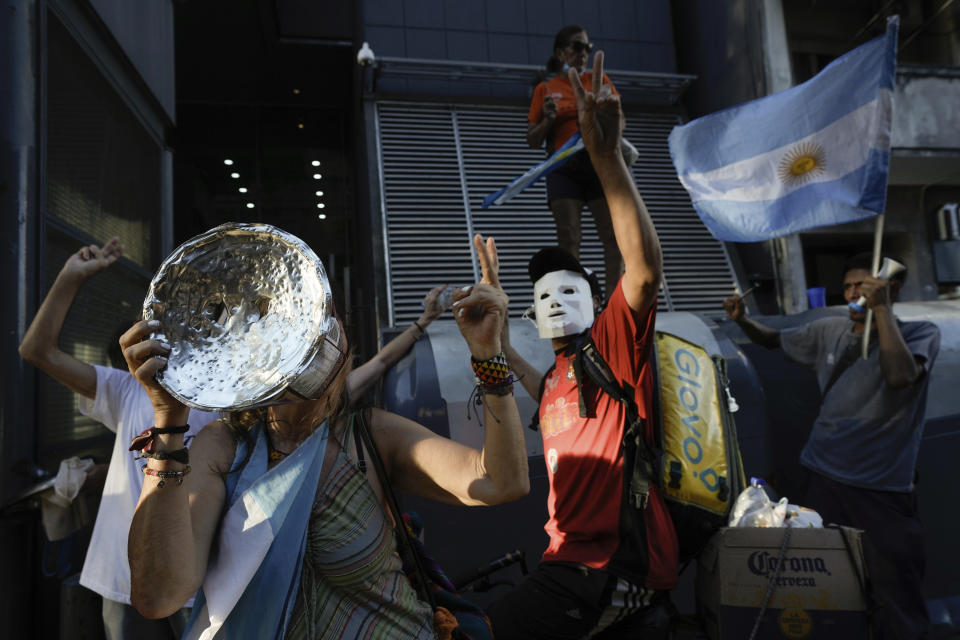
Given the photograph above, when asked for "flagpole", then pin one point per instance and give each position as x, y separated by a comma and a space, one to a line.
875, 267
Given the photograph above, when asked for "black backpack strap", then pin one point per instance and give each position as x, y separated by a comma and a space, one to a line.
358, 422
644, 472
585, 411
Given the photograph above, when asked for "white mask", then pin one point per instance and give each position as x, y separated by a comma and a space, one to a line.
563, 304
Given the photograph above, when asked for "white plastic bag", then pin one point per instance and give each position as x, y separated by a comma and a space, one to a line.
61, 513
754, 509
803, 518
70, 477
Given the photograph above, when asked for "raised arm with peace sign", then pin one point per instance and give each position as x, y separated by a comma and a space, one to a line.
601, 125
481, 311
598, 110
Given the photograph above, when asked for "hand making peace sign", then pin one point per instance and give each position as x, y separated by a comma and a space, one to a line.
480, 311
598, 110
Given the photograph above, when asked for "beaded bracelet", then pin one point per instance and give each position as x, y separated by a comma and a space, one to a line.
177, 455
163, 475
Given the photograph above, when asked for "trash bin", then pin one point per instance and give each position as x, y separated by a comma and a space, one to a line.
817, 296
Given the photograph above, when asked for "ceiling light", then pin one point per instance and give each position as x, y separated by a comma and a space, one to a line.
250, 205
317, 176
299, 125
242, 189
234, 175
228, 162
322, 216
320, 205
315, 163
319, 194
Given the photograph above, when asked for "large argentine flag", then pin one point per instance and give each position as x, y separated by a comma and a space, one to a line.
814, 155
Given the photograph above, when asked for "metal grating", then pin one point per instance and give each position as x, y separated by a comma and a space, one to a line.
697, 270
103, 168
428, 222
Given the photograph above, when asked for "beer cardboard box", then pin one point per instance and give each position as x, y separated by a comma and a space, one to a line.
818, 592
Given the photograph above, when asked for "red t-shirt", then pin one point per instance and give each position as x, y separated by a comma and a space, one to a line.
562, 91
584, 461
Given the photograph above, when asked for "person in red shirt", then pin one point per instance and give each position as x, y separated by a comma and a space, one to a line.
551, 122
608, 563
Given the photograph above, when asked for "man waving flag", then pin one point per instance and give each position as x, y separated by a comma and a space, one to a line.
814, 155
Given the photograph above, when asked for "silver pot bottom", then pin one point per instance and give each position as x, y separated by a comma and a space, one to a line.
248, 312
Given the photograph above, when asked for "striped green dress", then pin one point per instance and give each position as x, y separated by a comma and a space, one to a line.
353, 585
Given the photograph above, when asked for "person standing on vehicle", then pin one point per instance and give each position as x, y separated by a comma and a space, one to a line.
552, 120
607, 562
862, 452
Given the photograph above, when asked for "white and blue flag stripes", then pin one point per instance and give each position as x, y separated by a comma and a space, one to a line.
814, 155
251, 583
570, 147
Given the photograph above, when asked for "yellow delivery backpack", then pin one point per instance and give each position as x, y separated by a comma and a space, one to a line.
702, 472
694, 456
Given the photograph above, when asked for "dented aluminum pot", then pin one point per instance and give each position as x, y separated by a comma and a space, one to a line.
248, 313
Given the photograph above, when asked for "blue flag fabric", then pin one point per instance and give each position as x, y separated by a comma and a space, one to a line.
251, 583
814, 155
570, 147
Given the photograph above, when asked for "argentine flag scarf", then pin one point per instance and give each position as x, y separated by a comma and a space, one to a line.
251, 583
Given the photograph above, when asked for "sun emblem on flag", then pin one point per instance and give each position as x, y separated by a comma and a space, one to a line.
802, 163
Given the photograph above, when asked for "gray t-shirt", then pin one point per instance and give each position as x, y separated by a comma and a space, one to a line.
868, 433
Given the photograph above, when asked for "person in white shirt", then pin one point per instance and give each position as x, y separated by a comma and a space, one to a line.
112, 397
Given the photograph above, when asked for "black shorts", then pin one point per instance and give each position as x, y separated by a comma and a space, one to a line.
576, 180
567, 601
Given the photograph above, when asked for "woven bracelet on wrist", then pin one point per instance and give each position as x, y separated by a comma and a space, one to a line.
144, 441
178, 455
492, 372
163, 475
417, 325
493, 375
493, 378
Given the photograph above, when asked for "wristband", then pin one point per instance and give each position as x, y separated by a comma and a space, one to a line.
493, 378
504, 389
144, 441
492, 372
417, 325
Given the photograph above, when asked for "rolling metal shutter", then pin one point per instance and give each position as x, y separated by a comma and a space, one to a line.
437, 163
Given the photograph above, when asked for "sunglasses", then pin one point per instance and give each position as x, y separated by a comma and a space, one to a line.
580, 47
